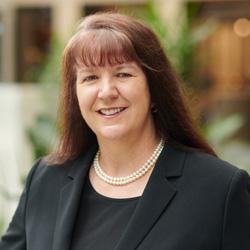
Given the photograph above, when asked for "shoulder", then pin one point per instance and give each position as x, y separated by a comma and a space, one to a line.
213, 175
44, 176
43, 169
203, 164
209, 186
200, 171
195, 164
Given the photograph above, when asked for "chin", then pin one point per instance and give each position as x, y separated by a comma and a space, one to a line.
112, 133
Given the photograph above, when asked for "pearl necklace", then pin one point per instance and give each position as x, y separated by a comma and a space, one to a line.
119, 181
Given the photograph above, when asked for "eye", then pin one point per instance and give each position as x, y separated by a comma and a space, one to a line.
90, 78
123, 75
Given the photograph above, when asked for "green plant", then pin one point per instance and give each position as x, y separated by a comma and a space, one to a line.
2, 225
180, 42
43, 133
7, 196
220, 132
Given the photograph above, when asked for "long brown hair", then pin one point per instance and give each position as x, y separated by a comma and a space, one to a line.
115, 38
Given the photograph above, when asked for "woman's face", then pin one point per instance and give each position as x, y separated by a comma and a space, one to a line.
114, 100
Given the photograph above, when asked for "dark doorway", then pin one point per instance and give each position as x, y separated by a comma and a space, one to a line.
33, 33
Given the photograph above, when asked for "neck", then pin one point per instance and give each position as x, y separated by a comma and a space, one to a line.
124, 156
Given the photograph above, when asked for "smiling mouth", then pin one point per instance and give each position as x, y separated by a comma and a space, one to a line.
110, 111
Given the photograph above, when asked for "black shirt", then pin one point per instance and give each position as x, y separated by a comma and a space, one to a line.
101, 220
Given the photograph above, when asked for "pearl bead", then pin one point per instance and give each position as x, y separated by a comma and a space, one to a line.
132, 177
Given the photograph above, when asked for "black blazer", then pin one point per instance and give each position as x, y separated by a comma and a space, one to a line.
193, 201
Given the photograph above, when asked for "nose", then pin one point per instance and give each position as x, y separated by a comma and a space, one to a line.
107, 90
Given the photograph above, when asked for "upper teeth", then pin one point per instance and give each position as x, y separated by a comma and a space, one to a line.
111, 111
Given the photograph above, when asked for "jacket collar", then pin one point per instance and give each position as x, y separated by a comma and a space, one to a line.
69, 200
158, 189
157, 196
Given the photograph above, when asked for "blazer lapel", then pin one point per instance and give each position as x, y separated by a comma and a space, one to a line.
69, 201
157, 195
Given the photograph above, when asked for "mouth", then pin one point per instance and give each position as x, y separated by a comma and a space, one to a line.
111, 111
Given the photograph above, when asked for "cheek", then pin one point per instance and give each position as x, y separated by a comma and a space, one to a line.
85, 108
144, 102
86, 98
143, 96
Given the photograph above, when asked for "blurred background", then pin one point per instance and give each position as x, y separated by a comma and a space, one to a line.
207, 41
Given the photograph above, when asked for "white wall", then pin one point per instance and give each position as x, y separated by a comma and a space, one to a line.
19, 104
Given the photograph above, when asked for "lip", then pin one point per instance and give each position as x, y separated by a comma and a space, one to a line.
111, 116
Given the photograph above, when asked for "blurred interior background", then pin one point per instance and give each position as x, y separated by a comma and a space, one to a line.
207, 41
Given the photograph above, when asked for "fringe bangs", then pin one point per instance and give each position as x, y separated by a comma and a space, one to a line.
95, 48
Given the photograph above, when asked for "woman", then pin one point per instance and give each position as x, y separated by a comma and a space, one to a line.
131, 171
